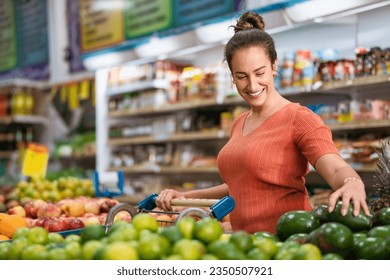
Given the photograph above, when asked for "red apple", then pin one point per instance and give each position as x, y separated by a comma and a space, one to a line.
56, 225
107, 205
40, 222
75, 223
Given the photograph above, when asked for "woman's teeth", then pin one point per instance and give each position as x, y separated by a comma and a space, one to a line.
256, 93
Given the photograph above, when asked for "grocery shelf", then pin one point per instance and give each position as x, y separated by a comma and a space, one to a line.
173, 107
155, 169
18, 82
7, 154
137, 86
25, 119
369, 124
176, 137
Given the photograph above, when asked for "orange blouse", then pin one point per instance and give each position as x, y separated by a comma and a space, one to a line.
265, 169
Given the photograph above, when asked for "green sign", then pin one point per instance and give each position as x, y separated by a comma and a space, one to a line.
8, 52
145, 17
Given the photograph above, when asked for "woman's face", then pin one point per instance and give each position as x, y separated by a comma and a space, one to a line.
253, 75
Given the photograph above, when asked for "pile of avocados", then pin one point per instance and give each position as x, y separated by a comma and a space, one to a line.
342, 237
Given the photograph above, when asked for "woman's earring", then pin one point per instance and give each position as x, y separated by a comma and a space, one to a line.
234, 82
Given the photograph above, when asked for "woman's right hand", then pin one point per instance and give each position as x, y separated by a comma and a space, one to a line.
163, 200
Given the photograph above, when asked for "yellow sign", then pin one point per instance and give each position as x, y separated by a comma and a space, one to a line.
101, 24
35, 160
73, 101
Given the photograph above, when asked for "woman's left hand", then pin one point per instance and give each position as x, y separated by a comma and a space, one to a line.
351, 191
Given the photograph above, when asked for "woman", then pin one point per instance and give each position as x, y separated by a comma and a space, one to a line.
268, 154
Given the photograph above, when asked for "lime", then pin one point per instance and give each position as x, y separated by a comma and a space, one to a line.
17, 247
186, 226
92, 232
55, 237
332, 256
288, 251
174, 257
89, 248
4, 248
309, 252
242, 240
187, 249
225, 250
37, 235
119, 250
267, 246
262, 234
34, 252
72, 237
20, 232
208, 257
57, 254
126, 233
208, 230
173, 233
145, 221
257, 254
118, 226
153, 247
73, 250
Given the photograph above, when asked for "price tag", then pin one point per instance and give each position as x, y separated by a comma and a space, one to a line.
35, 160
73, 101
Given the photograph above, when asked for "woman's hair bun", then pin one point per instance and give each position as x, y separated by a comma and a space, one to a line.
249, 20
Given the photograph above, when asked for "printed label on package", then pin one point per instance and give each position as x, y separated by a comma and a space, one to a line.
101, 24
145, 17
8, 52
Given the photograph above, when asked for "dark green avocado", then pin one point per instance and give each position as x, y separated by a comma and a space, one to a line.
292, 222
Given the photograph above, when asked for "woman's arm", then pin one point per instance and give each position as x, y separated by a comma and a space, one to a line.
345, 182
164, 198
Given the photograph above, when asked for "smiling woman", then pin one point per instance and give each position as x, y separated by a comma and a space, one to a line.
264, 163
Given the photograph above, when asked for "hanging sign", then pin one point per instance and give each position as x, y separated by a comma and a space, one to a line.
35, 160
191, 11
31, 25
8, 53
101, 24
145, 17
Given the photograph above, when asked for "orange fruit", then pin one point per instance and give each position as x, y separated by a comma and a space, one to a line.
3, 237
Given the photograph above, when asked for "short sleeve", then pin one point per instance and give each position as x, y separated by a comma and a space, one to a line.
312, 136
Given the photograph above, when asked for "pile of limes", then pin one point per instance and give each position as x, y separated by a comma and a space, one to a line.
143, 239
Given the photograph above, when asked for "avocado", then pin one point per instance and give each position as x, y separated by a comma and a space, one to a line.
332, 238
298, 221
372, 248
321, 213
357, 223
381, 218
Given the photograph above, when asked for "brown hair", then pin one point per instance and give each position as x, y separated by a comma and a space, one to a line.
249, 32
